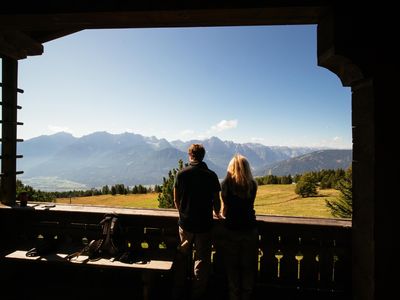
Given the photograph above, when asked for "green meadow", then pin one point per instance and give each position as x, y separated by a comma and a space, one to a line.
273, 199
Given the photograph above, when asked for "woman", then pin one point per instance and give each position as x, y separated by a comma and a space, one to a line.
241, 248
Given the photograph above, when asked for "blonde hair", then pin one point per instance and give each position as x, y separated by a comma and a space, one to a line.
239, 176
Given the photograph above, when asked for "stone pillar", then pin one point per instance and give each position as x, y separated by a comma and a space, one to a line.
345, 46
364, 191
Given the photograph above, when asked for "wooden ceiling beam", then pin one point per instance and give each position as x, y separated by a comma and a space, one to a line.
24, 29
165, 18
16, 44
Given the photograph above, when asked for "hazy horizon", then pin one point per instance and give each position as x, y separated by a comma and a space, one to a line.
181, 140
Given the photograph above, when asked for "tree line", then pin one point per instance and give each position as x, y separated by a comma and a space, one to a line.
43, 196
326, 178
273, 179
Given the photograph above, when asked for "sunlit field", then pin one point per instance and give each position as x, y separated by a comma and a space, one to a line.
130, 200
271, 200
280, 199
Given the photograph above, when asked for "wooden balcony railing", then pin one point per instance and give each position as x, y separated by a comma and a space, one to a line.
299, 258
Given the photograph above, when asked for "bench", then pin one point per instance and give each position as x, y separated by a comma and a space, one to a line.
154, 265
147, 269
71, 227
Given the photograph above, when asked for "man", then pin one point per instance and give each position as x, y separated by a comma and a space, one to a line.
196, 196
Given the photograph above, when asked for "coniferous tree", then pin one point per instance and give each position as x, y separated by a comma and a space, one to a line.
342, 207
157, 188
286, 179
296, 178
120, 188
306, 186
326, 181
142, 189
105, 190
113, 190
135, 189
166, 196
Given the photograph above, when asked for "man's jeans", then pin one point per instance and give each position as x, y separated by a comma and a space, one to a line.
198, 245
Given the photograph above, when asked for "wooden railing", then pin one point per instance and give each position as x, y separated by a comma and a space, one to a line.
305, 254
297, 256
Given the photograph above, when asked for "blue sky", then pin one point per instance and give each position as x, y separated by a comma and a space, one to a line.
244, 84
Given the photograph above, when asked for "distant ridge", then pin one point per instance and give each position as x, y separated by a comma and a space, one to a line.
314, 161
102, 158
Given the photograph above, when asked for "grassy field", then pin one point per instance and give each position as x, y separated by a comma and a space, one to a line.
278, 199
271, 200
131, 200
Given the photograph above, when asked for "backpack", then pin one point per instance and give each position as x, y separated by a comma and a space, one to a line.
110, 244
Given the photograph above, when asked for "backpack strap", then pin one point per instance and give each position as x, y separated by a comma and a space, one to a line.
111, 235
91, 250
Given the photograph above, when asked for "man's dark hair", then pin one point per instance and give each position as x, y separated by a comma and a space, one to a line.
197, 152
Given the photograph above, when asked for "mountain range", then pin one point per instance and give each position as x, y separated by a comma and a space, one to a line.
64, 162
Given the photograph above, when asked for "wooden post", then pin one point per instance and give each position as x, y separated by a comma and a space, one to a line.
9, 131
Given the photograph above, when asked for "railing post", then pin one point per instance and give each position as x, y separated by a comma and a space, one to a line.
9, 131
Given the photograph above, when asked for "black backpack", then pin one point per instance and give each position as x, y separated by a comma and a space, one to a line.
110, 244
